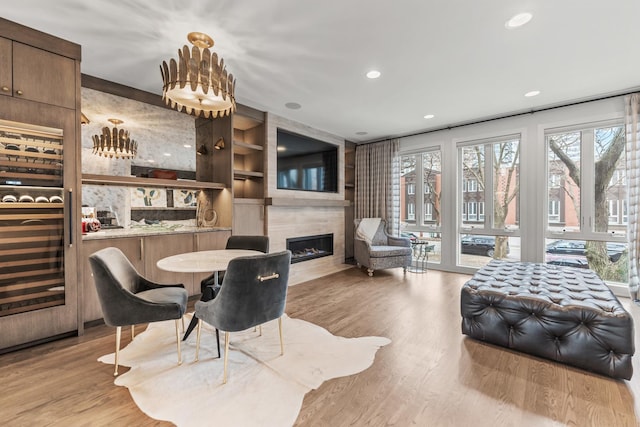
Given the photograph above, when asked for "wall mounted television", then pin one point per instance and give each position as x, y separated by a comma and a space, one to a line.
306, 164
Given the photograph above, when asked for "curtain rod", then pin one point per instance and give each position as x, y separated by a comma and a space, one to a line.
507, 116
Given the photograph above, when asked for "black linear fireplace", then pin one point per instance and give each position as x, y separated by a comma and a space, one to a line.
310, 247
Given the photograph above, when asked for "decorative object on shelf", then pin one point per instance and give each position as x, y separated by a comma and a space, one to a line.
163, 174
84, 120
114, 142
219, 145
197, 82
202, 150
206, 216
148, 197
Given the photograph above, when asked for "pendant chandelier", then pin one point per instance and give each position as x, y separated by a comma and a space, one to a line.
114, 142
197, 82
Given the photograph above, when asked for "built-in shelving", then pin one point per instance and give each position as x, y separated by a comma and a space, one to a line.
248, 156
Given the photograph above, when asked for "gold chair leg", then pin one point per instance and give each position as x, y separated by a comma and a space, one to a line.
281, 340
226, 356
182, 324
178, 341
260, 328
118, 334
198, 338
133, 331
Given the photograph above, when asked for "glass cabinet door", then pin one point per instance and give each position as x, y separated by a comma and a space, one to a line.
32, 218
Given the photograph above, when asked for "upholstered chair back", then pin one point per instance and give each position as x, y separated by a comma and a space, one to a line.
254, 291
256, 243
117, 283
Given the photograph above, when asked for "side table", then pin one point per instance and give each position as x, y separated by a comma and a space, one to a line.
421, 249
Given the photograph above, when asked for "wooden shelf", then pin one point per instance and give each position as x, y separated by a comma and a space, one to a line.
31, 205
133, 181
247, 201
245, 148
284, 201
247, 174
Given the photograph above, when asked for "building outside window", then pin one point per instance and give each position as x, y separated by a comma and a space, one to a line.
554, 210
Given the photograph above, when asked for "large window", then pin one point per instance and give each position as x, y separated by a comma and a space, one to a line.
420, 206
490, 175
588, 228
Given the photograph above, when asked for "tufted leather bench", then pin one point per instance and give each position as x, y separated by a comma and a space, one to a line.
560, 313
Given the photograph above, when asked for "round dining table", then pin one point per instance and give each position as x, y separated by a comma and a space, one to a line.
211, 261
203, 261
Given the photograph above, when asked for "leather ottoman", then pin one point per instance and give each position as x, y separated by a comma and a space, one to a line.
560, 313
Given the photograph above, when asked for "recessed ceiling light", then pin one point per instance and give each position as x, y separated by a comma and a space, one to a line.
187, 145
518, 20
293, 105
167, 154
532, 93
361, 133
151, 161
373, 74
429, 116
281, 148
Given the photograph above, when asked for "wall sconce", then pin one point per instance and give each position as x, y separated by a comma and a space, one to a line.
202, 150
219, 145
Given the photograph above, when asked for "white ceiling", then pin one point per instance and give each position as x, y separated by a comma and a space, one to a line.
451, 58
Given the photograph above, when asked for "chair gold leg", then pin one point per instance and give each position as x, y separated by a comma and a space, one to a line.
198, 338
260, 328
226, 356
178, 341
118, 334
182, 324
133, 331
281, 340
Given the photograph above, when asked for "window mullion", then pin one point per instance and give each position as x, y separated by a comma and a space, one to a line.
488, 187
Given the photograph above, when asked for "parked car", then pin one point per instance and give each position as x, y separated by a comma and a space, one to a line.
576, 262
410, 236
479, 245
578, 247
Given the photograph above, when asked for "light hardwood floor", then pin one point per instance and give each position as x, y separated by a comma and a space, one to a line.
430, 375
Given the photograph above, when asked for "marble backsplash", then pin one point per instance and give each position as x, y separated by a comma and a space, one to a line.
166, 140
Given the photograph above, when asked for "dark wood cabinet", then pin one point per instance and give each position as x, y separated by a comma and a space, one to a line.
37, 74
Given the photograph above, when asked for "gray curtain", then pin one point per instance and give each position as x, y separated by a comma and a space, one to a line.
378, 182
632, 127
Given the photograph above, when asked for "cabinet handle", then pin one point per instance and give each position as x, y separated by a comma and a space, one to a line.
70, 207
5, 88
19, 92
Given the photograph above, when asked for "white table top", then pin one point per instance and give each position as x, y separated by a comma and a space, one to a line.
203, 261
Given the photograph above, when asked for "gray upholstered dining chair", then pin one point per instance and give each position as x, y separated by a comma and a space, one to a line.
253, 292
209, 287
254, 243
376, 249
128, 299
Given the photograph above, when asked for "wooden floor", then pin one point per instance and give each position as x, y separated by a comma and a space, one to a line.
430, 375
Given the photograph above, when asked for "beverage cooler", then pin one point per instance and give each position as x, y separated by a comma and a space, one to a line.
36, 235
